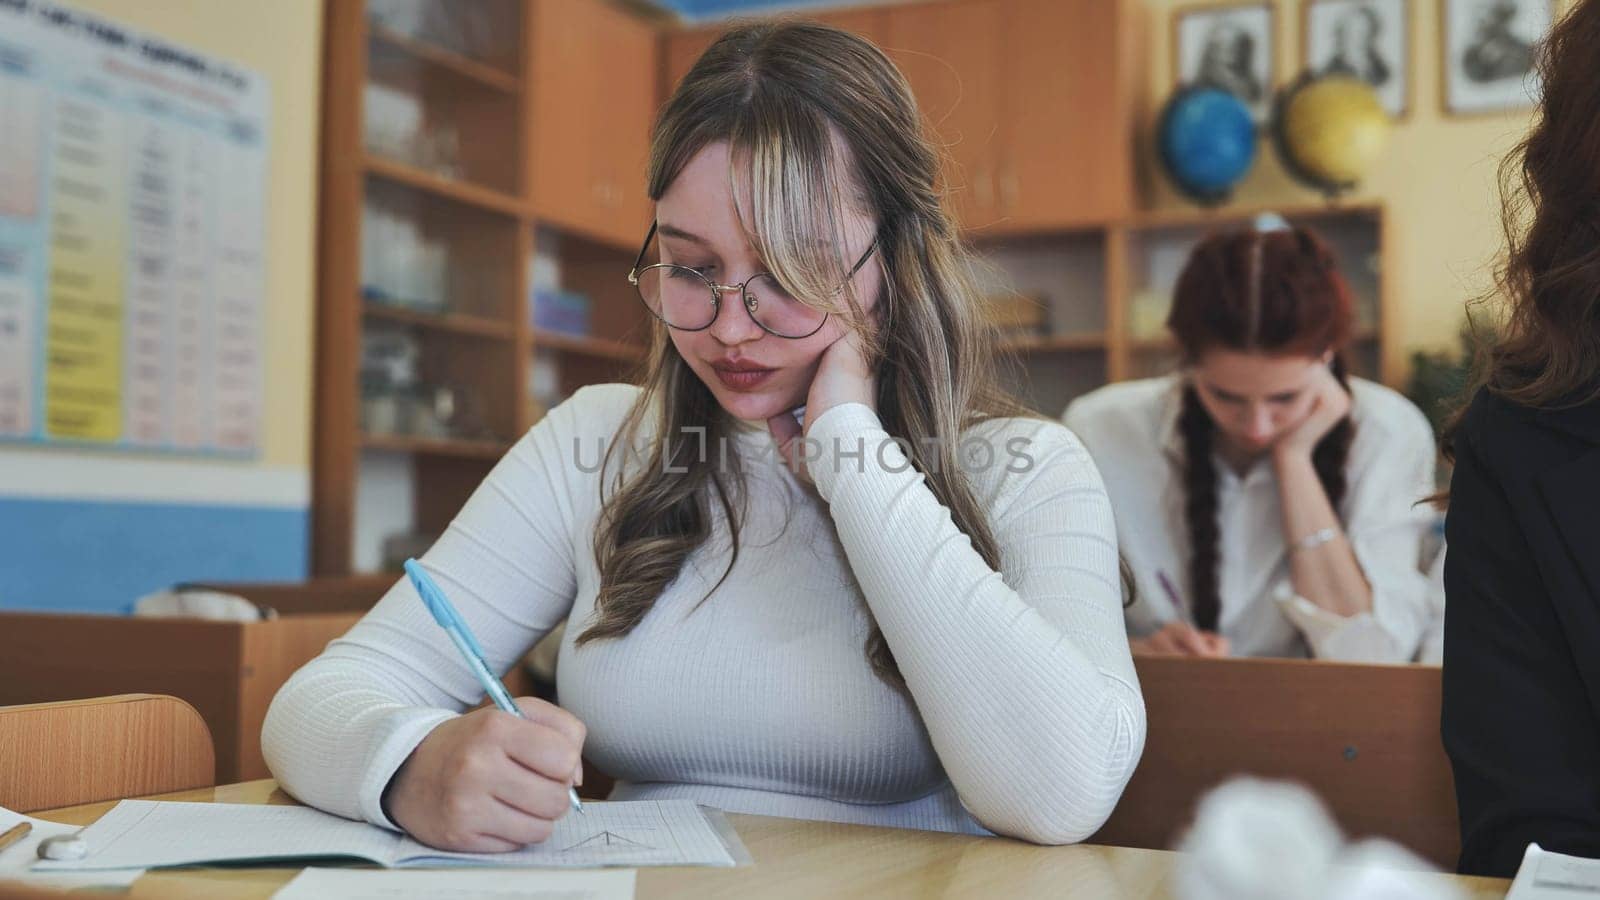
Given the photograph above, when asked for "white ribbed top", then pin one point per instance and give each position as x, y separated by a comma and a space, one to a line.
1023, 716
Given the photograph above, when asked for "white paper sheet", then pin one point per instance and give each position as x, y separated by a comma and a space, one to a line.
1555, 876
16, 859
456, 884
144, 833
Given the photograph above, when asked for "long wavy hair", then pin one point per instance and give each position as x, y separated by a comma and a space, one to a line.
815, 118
1276, 292
1548, 350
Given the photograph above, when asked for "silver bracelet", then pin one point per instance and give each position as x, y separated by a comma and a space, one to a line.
1316, 538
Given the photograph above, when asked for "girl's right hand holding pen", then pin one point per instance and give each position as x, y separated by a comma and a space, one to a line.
487, 781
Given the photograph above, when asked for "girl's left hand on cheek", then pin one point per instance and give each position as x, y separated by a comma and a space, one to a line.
1329, 406
843, 376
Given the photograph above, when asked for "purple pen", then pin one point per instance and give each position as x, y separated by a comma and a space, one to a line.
1172, 593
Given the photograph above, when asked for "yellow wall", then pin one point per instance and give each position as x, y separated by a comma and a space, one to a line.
282, 41
1438, 181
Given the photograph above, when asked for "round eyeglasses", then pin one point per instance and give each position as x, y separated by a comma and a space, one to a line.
678, 295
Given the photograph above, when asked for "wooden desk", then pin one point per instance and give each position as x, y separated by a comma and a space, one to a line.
1364, 739
797, 858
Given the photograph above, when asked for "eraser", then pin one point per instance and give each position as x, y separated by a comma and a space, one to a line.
65, 846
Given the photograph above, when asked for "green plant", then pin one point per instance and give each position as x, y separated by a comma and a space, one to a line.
1439, 377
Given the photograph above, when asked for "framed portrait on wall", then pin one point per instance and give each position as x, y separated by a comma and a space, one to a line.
1228, 47
1489, 49
1367, 39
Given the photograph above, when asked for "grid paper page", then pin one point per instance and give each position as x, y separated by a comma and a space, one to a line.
148, 834
625, 833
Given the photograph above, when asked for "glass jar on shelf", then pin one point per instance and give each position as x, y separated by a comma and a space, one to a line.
391, 122
544, 381
403, 16
481, 30
381, 407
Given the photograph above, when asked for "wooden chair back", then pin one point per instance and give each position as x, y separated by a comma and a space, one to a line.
105, 748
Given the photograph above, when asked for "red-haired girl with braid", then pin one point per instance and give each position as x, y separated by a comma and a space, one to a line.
1265, 500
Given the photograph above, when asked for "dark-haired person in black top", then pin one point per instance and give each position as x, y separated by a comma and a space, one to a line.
1522, 631
1265, 500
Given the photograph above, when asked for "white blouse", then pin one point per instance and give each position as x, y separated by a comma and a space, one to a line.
1131, 430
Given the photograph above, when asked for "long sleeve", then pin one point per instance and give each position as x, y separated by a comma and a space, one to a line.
1431, 653
1391, 470
1518, 723
1022, 677
342, 725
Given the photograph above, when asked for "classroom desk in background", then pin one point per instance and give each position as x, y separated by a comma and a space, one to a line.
795, 858
228, 671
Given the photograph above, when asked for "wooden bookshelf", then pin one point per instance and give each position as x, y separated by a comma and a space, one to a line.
439, 186
1159, 343
1235, 216
1356, 232
600, 348
467, 189
391, 48
455, 447
1165, 343
1098, 278
1064, 343
450, 323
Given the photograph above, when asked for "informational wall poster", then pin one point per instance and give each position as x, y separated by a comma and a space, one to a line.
132, 237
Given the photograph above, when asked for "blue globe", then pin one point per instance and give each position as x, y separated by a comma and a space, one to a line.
1207, 142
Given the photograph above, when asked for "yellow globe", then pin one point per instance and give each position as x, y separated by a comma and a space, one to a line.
1333, 129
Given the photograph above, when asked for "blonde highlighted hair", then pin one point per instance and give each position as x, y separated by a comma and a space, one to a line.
817, 120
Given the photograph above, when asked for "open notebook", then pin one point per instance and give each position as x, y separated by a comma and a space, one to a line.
152, 834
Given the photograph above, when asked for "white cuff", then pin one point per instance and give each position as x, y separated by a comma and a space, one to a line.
405, 730
1358, 638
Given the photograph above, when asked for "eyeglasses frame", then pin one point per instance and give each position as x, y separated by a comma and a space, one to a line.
717, 290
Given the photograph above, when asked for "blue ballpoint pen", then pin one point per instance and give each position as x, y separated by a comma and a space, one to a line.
445, 614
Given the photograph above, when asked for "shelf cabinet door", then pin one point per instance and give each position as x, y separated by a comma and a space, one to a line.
1031, 100
681, 48
872, 24
1068, 154
951, 55
679, 51
566, 92
630, 58
594, 101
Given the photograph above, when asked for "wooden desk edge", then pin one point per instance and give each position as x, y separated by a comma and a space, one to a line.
266, 791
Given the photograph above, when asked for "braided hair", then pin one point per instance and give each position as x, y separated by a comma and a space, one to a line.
1276, 292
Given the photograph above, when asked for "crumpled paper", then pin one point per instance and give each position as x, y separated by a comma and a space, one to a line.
1254, 839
